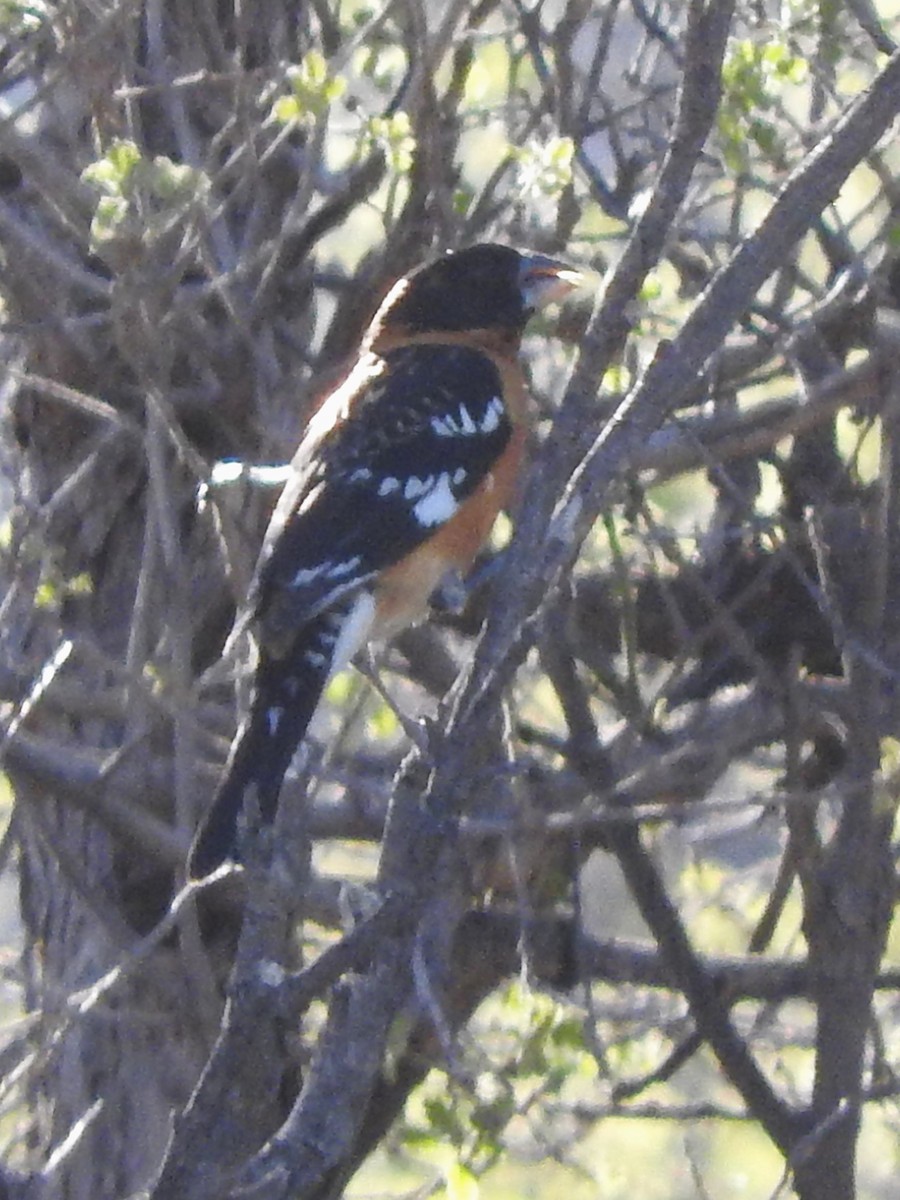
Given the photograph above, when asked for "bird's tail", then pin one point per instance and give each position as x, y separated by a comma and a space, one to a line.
286, 694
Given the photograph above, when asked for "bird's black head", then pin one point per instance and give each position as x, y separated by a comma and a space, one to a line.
483, 287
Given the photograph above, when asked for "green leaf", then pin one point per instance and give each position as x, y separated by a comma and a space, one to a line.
383, 722
123, 156
765, 134
286, 109
568, 1033
121, 176
108, 216
545, 168
461, 1183
394, 135
313, 91
341, 688
443, 1117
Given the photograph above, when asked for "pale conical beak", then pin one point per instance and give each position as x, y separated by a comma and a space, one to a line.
543, 280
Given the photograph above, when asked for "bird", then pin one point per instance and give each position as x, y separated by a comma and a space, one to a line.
393, 490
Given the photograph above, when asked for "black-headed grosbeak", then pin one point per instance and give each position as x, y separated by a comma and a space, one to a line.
394, 487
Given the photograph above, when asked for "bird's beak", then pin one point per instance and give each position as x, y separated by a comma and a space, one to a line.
543, 280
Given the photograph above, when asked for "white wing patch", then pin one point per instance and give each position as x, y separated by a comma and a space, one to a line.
492, 415
443, 426
437, 503
415, 488
307, 575
467, 425
326, 570
340, 569
463, 424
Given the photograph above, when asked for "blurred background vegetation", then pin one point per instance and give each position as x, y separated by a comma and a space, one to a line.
684, 862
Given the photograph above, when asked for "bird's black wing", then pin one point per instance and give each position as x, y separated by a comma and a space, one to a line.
386, 462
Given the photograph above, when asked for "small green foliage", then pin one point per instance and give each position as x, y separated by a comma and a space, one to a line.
616, 379
341, 688
112, 173
551, 1038
462, 1183
529, 1049
54, 589
138, 196
754, 78
395, 137
382, 723
46, 597
444, 1119
753, 73
544, 168
313, 91
344, 690
651, 288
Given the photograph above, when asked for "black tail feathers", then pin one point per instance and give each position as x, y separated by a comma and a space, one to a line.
285, 697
